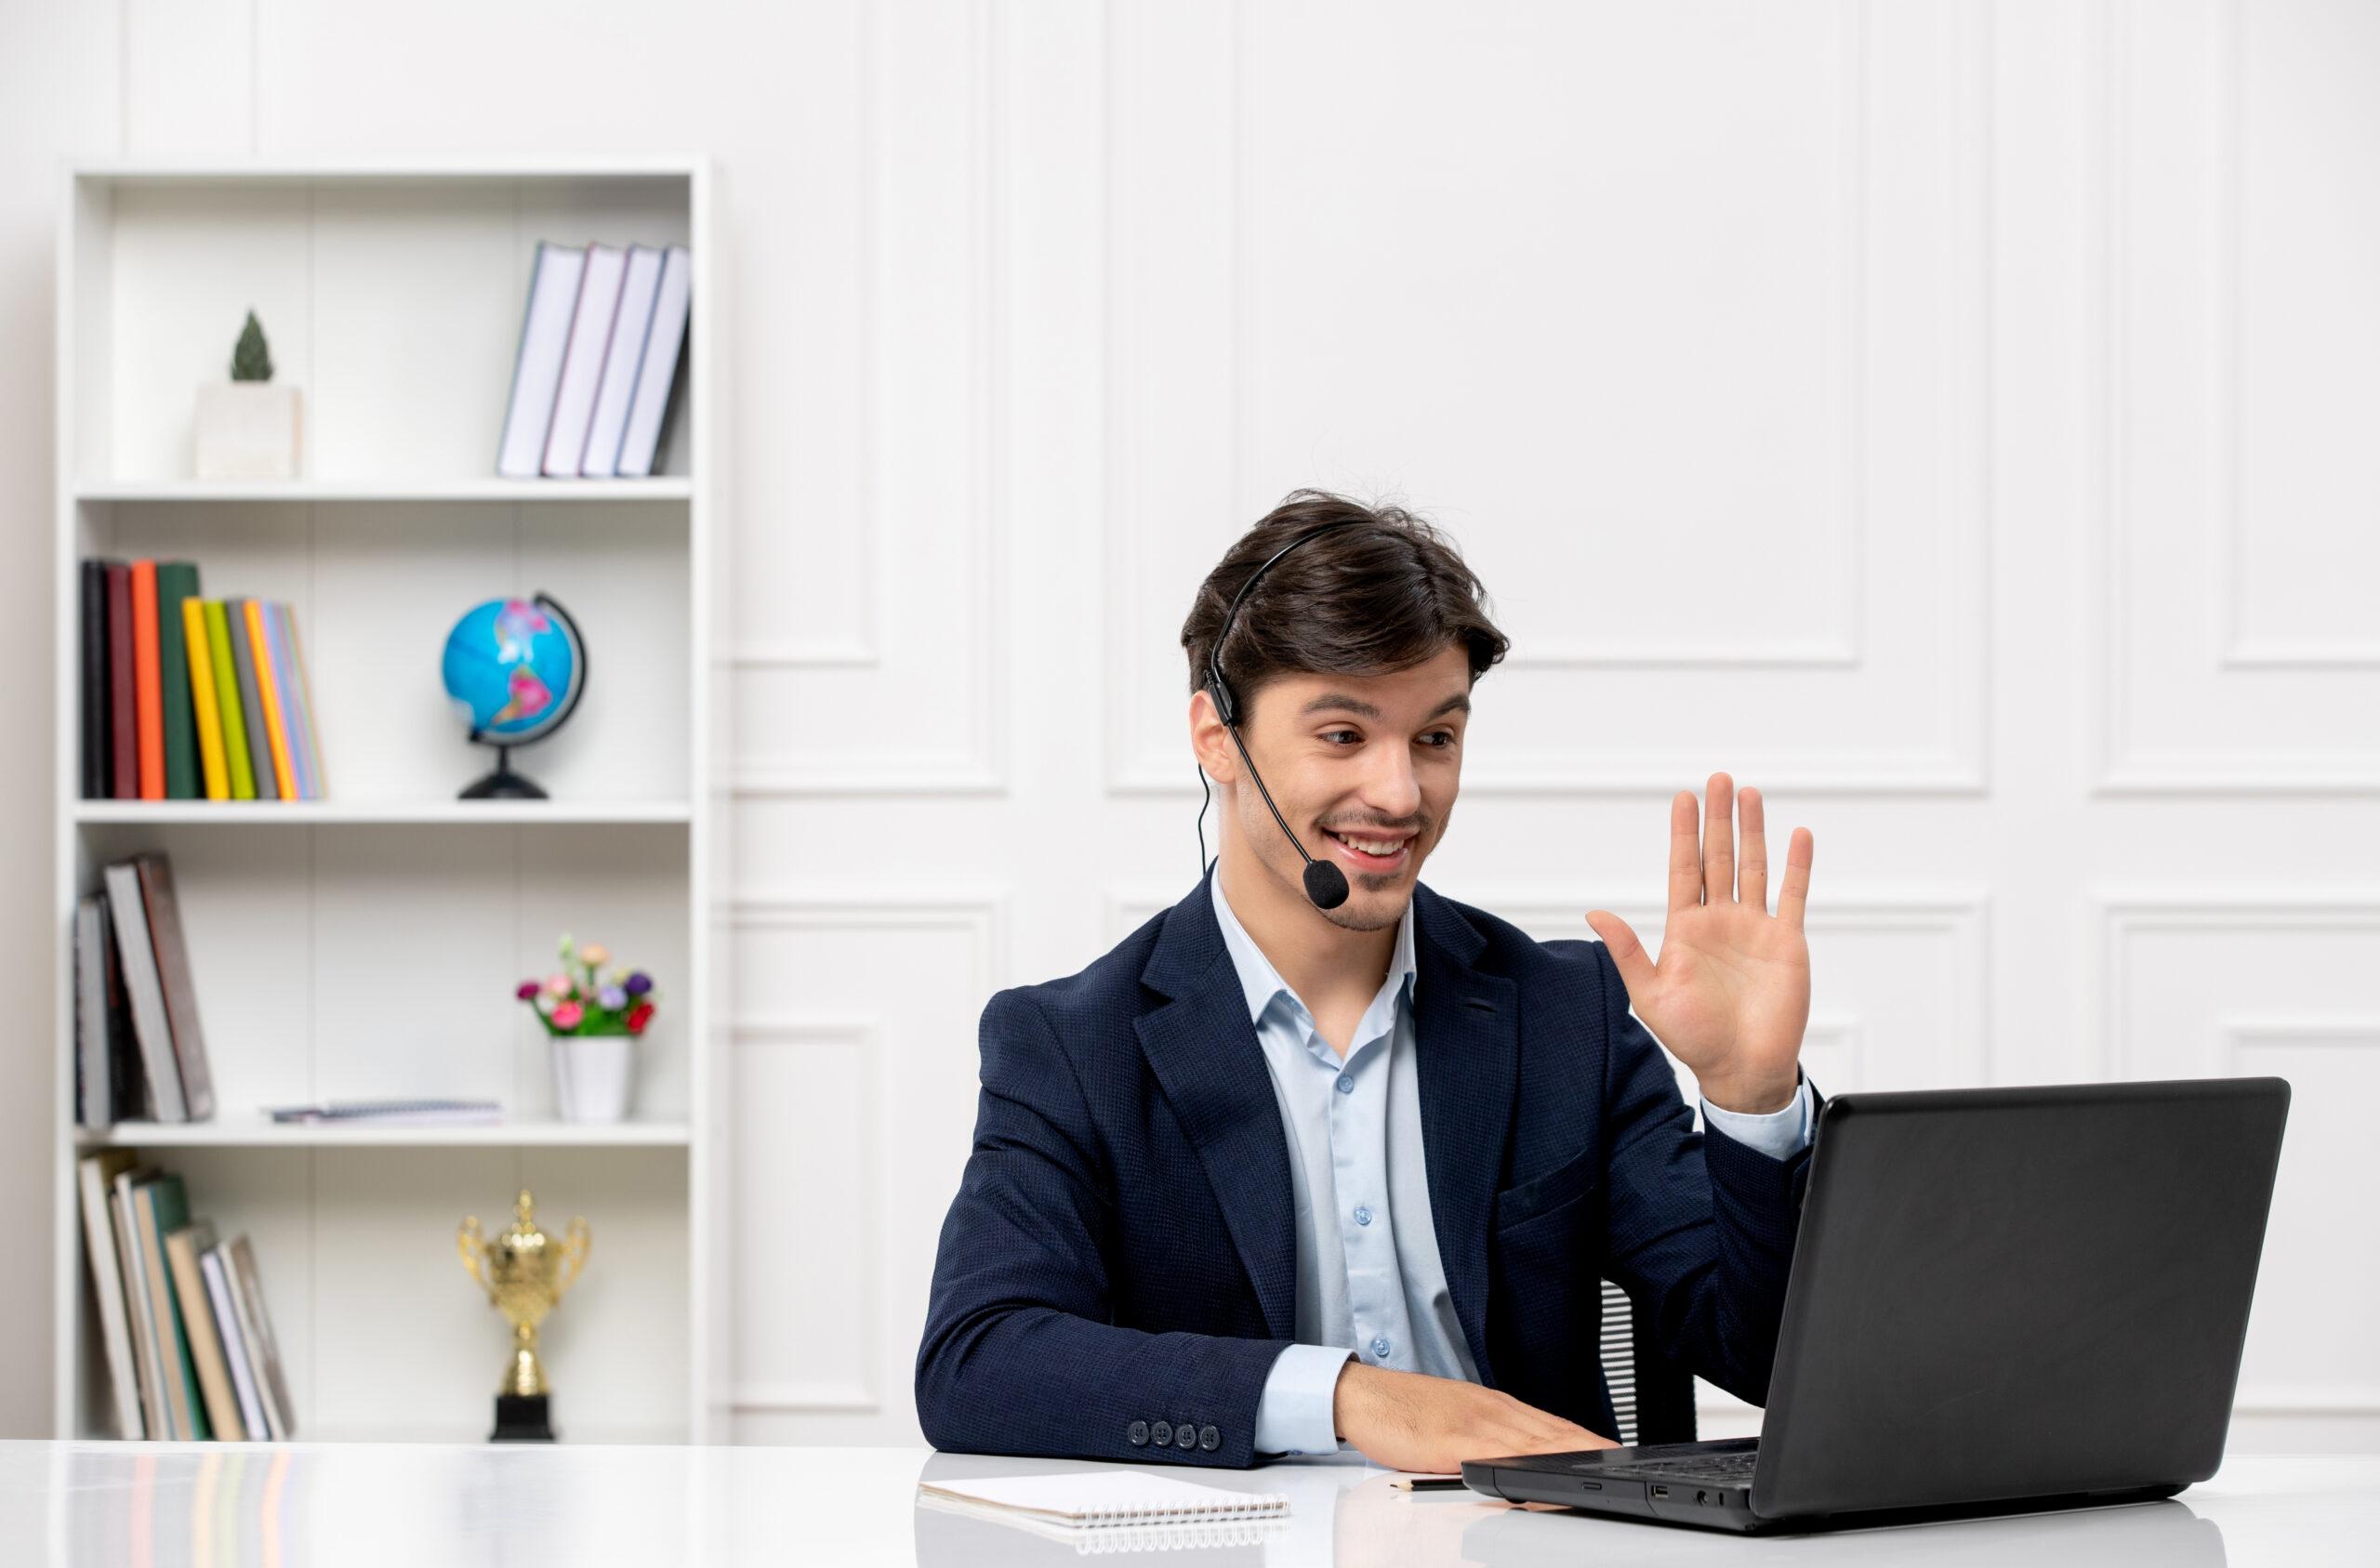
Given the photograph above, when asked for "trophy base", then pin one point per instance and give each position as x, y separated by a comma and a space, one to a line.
523, 1418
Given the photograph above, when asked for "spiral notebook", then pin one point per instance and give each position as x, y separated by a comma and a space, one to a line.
1094, 1501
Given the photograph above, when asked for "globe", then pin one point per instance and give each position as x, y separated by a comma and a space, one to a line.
514, 669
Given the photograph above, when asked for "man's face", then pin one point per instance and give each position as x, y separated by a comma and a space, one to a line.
1355, 760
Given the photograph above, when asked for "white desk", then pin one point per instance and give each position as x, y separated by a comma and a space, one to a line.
67, 1505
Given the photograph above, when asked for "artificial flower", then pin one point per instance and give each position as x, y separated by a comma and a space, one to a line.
595, 954
559, 984
637, 983
567, 1015
527, 989
612, 996
638, 1017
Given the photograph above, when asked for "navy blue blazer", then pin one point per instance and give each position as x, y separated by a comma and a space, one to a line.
1120, 1252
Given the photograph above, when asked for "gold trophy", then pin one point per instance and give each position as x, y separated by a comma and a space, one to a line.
525, 1272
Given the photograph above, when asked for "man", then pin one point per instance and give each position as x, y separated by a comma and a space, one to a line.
1272, 1176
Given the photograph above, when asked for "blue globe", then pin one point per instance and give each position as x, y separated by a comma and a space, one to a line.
512, 668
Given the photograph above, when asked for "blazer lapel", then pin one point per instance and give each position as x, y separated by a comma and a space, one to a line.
1467, 1040
1203, 1051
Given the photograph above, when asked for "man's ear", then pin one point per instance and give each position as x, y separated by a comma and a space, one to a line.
1211, 741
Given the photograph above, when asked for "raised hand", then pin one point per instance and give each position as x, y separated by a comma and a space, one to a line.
1731, 993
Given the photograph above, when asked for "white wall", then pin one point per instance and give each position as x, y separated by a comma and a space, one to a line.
1953, 419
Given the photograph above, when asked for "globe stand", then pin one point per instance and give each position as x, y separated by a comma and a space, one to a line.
504, 784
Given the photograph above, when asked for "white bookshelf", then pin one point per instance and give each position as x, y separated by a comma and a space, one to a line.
367, 944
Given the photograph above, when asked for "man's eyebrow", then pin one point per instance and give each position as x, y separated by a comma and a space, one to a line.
1459, 703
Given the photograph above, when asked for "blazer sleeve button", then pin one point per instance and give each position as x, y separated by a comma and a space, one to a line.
1186, 1436
1161, 1433
1137, 1434
1210, 1439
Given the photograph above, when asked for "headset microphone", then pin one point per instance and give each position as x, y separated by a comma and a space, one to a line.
1326, 885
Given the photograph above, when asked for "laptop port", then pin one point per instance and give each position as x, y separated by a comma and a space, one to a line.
1661, 1491
1717, 1499
1700, 1496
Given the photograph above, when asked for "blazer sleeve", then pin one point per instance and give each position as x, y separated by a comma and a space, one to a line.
1019, 1355
1699, 1227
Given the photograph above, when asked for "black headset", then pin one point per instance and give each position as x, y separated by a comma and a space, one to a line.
1325, 883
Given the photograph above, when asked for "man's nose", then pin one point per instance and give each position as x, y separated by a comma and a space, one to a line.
1390, 787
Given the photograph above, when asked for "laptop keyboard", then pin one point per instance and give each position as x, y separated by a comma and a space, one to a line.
1734, 1468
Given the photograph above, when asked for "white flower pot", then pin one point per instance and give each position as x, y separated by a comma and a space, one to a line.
592, 1075
248, 429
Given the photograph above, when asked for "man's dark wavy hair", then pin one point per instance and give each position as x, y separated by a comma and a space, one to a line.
1365, 600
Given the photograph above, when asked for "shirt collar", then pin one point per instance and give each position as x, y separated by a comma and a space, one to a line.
1260, 981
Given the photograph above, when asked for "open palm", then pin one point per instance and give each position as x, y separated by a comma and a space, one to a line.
1730, 996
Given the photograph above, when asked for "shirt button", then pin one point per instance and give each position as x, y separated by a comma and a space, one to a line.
1346, 1085
1363, 1214
1138, 1434
1381, 1346
1161, 1433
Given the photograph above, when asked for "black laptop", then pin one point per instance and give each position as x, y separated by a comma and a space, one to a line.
2002, 1301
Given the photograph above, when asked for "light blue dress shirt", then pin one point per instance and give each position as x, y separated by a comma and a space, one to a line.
1369, 1282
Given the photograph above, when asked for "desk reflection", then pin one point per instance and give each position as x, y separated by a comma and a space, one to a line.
1346, 1515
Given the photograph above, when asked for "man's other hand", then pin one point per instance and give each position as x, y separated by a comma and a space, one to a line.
1407, 1422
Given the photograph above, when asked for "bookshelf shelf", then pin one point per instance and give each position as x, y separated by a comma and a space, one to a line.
378, 957
509, 814
234, 1131
668, 488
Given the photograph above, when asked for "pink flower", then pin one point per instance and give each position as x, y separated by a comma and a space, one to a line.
526, 990
567, 1015
559, 984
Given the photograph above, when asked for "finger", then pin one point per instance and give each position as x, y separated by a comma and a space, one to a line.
1752, 873
1627, 952
1719, 842
1686, 855
1793, 896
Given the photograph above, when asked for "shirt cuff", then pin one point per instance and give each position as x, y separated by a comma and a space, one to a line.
1780, 1134
1294, 1415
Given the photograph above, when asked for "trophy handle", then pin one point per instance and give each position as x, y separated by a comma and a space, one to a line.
574, 1243
468, 1241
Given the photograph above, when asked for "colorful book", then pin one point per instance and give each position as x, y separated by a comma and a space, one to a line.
92, 690
149, 713
227, 703
208, 721
276, 730
160, 1208
182, 1248
177, 580
243, 664
94, 1175
123, 746
308, 725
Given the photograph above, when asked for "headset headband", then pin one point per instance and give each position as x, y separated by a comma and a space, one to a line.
1226, 705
